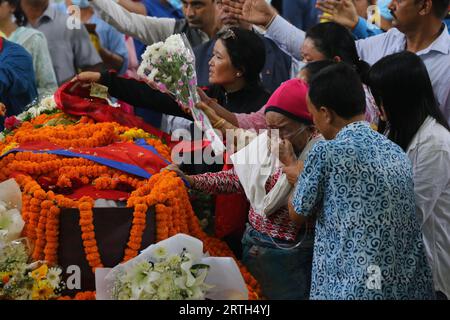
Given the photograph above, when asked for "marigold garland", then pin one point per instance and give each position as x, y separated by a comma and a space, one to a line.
85, 205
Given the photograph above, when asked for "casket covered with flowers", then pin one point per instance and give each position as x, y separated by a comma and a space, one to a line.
64, 163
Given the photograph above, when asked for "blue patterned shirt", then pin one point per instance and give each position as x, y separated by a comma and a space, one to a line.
368, 241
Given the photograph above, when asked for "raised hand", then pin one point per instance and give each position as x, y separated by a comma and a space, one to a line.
339, 11
257, 12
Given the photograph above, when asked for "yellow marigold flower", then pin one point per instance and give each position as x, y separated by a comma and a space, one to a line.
41, 291
40, 273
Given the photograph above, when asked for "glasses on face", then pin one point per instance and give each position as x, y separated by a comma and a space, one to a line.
227, 34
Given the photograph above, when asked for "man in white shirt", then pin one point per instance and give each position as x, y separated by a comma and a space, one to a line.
417, 27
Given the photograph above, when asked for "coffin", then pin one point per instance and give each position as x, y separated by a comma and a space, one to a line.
112, 230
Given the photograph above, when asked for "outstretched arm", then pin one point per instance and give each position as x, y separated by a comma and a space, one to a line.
146, 29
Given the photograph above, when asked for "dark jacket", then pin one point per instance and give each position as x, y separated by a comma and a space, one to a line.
138, 93
277, 68
17, 81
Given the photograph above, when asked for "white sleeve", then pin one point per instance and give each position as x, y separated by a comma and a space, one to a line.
431, 176
286, 36
146, 29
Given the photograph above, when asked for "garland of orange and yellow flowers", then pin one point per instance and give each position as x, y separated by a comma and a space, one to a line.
165, 191
41, 209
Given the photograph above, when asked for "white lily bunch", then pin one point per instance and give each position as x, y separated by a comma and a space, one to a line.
164, 277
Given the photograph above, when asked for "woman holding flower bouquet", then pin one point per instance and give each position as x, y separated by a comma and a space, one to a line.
275, 250
234, 74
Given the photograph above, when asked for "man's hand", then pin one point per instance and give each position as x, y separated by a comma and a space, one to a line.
293, 171
340, 11
258, 12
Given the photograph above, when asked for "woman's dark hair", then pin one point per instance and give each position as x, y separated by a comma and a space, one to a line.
401, 84
314, 67
21, 20
339, 88
333, 40
246, 50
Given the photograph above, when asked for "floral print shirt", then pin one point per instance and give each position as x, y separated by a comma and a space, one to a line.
368, 242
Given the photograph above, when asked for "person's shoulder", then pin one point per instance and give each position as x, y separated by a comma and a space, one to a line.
435, 135
33, 34
205, 46
388, 38
321, 149
12, 49
14, 54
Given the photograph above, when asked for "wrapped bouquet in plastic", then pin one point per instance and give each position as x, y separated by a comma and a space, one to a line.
173, 269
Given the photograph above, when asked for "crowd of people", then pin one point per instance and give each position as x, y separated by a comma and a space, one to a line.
359, 91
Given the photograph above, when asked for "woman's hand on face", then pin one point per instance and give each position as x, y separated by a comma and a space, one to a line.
88, 76
181, 174
293, 171
286, 153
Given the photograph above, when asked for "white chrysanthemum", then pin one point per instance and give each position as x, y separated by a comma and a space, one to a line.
33, 111
48, 103
53, 277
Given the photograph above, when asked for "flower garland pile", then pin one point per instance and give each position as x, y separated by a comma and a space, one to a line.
37, 173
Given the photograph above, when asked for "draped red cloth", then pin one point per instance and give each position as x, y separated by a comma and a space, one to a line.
74, 98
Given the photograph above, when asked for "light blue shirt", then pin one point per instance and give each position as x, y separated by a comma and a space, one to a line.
368, 242
436, 57
364, 29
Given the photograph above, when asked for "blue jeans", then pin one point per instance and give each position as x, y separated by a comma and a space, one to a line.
282, 274
301, 13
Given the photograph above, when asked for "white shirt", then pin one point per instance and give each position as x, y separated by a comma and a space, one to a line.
429, 152
436, 57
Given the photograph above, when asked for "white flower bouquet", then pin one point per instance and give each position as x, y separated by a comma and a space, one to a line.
11, 222
20, 280
173, 269
171, 66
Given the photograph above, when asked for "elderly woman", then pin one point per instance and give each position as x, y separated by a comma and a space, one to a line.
270, 243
